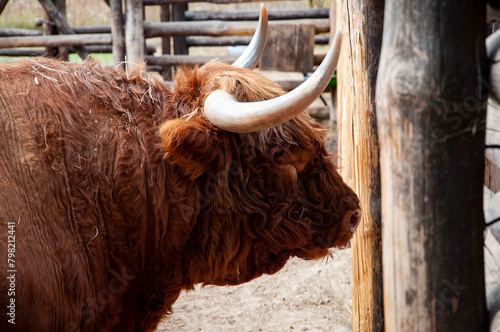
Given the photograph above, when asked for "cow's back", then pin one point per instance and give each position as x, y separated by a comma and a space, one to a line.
71, 147
35, 207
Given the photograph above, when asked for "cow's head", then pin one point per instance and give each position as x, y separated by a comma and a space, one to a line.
259, 184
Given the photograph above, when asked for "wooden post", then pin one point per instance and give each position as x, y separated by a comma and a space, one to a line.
431, 119
179, 14
361, 23
165, 41
49, 29
61, 24
63, 51
117, 32
134, 32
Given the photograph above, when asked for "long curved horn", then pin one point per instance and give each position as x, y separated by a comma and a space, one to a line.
251, 56
225, 112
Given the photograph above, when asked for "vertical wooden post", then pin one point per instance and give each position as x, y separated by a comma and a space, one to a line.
431, 120
117, 32
62, 25
63, 51
134, 32
165, 41
361, 23
179, 14
49, 29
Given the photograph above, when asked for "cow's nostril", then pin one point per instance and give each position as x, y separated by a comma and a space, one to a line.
355, 219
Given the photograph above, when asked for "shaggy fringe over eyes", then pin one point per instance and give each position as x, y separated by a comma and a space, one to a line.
192, 87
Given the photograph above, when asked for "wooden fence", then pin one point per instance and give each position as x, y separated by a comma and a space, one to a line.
128, 33
419, 178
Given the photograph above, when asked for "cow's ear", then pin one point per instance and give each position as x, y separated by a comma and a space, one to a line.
190, 144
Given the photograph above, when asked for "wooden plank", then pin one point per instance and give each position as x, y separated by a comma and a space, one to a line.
289, 47
7, 32
190, 60
134, 31
117, 32
61, 24
234, 41
36, 52
432, 169
219, 28
358, 150
92, 30
59, 40
218, 41
168, 2
305, 48
253, 15
21, 52
268, 60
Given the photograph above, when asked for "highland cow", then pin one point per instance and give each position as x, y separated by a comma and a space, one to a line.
117, 193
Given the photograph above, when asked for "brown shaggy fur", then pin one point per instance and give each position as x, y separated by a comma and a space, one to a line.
123, 194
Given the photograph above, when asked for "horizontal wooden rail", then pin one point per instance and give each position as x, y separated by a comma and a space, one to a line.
151, 49
181, 29
179, 60
253, 15
219, 28
20, 32
56, 40
191, 60
236, 41
170, 2
33, 32
218, 41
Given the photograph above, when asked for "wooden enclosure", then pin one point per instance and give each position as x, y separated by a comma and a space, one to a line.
411, 114
179, 29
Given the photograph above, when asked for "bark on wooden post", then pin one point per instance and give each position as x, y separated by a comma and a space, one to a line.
361, 23
134, 32
117, 32
431, 96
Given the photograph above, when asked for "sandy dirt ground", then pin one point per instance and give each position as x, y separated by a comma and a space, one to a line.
303, 296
